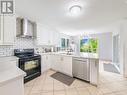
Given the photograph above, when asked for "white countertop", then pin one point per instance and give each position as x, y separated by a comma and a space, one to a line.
11, 74
80, 55
8, 70
6, 58
8, 62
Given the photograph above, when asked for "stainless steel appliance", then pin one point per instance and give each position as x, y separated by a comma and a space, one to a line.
29, 62
81, 68
25, 28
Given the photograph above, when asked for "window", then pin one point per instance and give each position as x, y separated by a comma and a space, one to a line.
88, 45
63, 42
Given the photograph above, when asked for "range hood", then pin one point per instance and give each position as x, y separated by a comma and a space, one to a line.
25, 28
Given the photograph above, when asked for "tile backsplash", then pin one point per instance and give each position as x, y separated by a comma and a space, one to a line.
20, 43
6, 51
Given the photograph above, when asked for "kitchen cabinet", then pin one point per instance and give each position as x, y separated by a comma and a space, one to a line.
56, 39
67, 65
46, 35
45, 62
55, 65
94, 71
42, 35
49, 36
62, 64
1, 30
7, 29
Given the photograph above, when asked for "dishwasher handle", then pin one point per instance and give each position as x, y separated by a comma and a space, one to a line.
81, 60
78, 59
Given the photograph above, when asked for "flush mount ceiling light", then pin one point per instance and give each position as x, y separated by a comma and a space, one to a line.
75, 10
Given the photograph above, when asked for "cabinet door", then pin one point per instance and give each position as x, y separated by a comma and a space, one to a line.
48, 61
41, 35
53, 62
44, 35
43, 63
57, 63
60, 63
56, 38
67, 65
1, 30
9, 30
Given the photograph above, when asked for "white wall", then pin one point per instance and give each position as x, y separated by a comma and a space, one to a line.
120, 27
105, 45
123, 54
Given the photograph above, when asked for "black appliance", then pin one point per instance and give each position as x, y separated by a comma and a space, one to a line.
29, 62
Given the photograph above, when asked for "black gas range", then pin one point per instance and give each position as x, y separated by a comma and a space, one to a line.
29, 62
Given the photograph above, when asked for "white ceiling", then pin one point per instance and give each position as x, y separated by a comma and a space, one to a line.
95, 13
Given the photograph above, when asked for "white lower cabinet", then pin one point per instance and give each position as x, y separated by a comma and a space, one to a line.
66, 65
62, 64
45, 62
55, 64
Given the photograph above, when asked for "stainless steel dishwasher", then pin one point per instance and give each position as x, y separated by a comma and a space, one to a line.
81, 68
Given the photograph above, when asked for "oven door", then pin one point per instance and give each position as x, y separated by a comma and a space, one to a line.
31, 66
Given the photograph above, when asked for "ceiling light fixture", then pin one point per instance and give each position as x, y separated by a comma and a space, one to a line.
75, 10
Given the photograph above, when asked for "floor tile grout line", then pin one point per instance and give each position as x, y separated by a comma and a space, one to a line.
106, 86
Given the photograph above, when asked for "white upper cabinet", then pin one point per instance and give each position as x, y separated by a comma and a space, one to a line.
56, 38
8, 30
1, 30
42, 35
46, 35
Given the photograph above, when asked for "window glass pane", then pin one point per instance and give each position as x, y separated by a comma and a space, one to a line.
88, 45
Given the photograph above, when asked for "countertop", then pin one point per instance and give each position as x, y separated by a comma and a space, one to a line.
79, 55
6, 58
8, 70
11, 74
7, 62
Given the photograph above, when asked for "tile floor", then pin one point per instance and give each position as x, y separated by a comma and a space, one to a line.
109, 84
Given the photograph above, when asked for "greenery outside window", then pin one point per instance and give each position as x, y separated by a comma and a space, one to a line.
88, 45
